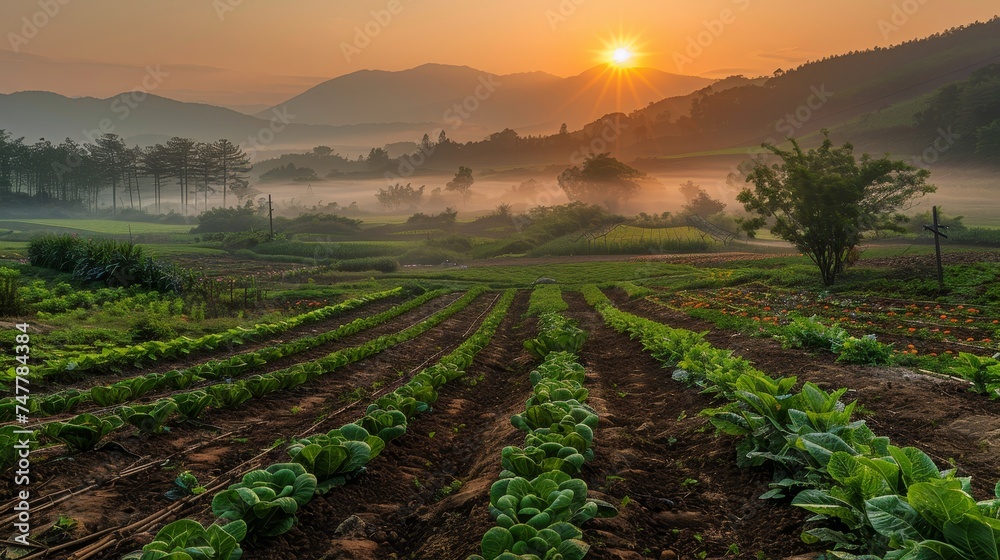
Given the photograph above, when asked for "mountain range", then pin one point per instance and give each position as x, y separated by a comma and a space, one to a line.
665, 113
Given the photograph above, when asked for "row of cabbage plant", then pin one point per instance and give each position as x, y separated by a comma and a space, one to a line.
870, 499
265, 501
539, 503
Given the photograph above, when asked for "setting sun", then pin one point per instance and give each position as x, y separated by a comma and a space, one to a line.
621, 56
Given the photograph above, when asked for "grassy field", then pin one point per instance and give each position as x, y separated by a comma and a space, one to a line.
111, 227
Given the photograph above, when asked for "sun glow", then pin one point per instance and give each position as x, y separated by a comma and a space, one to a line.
621, 50
621, 56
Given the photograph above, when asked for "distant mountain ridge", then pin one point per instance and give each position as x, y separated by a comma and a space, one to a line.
460, 95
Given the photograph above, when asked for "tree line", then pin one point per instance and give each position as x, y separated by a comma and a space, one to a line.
75, 173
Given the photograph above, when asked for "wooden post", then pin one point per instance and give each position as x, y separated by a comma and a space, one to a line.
270, 215
936, 230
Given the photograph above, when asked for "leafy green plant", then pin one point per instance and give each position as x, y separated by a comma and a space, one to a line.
864, 350
811, 333
192, 405
983, 373
336, 457
228, 395
110, 396
189, 540
58, 403
267, 500
149, 418
559, 540
556, 334
549, 498
82, 432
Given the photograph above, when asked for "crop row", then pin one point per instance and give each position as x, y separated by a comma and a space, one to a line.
870, 499
85, 431
265, 502
538, 503
138, 386
933, 321
148, 352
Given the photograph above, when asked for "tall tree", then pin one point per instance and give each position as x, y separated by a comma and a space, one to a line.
462, 183
155, 164
181, 154
110, 153
233, 164
824, 200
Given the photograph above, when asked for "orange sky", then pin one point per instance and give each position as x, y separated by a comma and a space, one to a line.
309, 38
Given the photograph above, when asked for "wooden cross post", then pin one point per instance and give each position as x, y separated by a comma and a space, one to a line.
936, 230
270, 217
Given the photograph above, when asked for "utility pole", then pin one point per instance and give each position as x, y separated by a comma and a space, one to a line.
936, 230
270, 217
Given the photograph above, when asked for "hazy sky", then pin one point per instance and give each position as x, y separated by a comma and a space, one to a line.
326, 38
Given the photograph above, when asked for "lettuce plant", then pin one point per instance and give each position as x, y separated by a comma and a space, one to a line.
82, 432
336, 457
267, 499
60, 402
531, 462
110, 396
523, 542
556, 334
547, 414
149, 418
386, 424
192, 405
549, 498
189, 540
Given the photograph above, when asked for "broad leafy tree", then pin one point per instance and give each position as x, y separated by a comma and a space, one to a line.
601, 179
462, 183
824, 200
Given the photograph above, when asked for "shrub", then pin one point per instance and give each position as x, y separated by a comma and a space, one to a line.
148, 328
381, 264
11, 303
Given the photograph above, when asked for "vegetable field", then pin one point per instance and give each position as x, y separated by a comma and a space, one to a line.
558, 422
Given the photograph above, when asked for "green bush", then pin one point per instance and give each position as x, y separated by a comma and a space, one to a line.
381, 264
11, 303
147, 328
